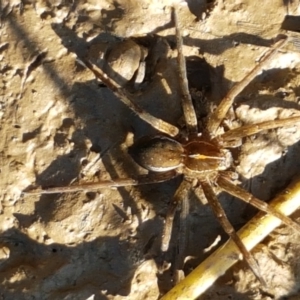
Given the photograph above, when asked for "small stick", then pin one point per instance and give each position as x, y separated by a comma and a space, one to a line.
198, 281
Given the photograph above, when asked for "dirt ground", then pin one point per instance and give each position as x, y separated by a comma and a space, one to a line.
60, 126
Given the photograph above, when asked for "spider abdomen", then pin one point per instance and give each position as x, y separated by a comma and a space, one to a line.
158, 153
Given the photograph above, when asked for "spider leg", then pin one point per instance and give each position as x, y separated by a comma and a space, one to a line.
240, 193
139, 180
219, 114
181, 197
181, 193
204, 276
251, 129
181, 244
228, 228
186, 100
156, 123
183, 232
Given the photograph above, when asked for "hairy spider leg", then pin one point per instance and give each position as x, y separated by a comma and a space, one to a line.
251, 129
156, 123
118, 182
186, 99
181, 193
228, 228
240, 193
181, 197
219, 114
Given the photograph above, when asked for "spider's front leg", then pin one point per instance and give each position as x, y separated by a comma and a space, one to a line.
235, 135
219, 114
203, 276
240, 193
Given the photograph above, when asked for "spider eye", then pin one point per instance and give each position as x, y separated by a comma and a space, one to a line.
158, 153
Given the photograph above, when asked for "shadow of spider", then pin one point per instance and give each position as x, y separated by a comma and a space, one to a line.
201, 158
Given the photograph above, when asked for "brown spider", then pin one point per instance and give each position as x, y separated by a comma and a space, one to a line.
200, 157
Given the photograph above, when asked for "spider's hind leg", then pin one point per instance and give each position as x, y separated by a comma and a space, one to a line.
156, 123
118, 182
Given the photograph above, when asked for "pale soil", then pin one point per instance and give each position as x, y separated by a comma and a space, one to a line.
59, 125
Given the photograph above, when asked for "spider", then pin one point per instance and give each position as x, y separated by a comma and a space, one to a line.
200, 158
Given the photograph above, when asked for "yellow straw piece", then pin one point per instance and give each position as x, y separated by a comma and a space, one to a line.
200, 279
